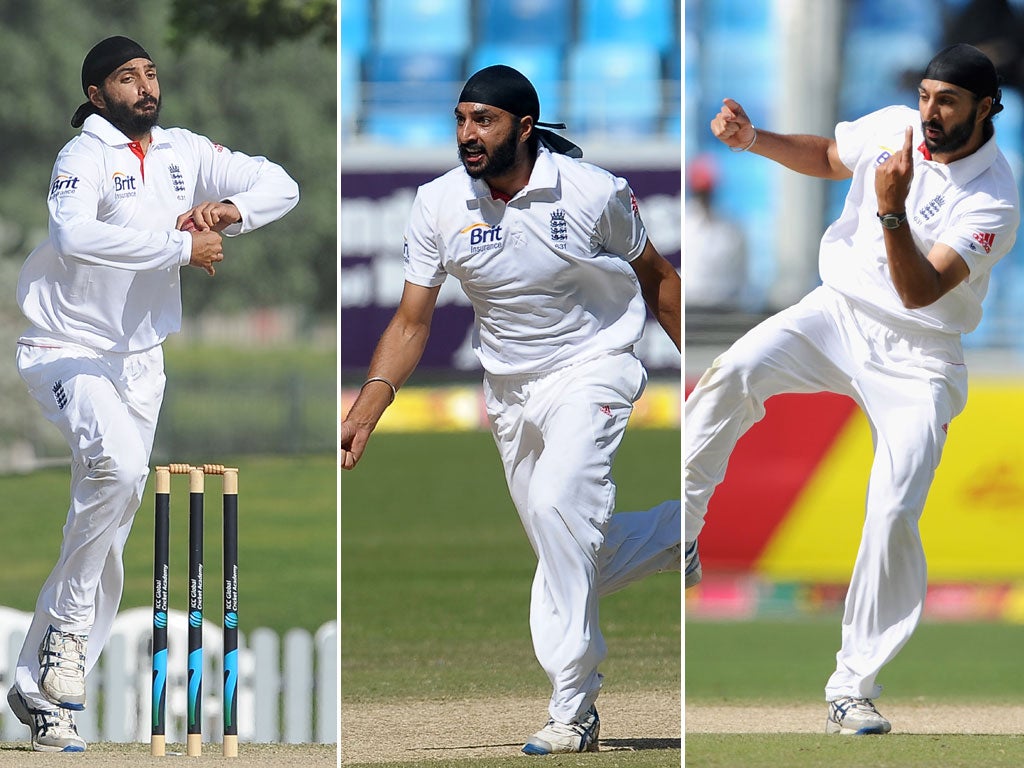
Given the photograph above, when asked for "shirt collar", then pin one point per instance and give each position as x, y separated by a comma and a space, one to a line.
105, 131
966, 169
543, 176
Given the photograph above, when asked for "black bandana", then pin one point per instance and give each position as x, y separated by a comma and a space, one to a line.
965, 66
106, 56
508, 89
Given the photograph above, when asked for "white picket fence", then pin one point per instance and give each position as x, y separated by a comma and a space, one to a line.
287, 688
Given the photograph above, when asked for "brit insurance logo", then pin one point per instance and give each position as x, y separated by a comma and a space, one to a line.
482, 237
63, 185
124, 185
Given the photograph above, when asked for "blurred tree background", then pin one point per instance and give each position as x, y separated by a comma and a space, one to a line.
271, 95
258, 76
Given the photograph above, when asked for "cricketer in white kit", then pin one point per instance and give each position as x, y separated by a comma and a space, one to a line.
553, 255
932, 207
101, 294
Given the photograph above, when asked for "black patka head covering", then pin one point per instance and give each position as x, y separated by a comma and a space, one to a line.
965, 66
508, 89
106, 56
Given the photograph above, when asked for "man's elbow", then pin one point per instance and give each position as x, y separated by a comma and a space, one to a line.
911, 303
67, 239
919, 298
291, 194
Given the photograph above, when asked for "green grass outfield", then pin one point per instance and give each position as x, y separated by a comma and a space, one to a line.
287, 541
766, 663
222, 400
892, 751
436, 574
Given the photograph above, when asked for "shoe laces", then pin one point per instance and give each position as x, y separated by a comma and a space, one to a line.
855, 704
581, 727
58, 719
66, 650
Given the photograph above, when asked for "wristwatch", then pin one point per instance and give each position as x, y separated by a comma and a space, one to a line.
891, 220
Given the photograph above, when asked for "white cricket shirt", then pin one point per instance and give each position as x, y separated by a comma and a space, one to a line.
107, 277
970, 205
547, 272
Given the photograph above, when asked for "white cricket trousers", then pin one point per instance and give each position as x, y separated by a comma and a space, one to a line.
106, 406
557, 434
910, 382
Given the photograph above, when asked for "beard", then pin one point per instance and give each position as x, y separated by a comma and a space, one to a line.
955, 138
496, 163
129, 119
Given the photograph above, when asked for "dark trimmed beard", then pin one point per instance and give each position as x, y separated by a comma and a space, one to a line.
953, 139
496, 163
129, 119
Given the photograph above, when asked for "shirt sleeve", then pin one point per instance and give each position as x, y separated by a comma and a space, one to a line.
421, 252
262, 191
76, 231
853, 138
983, 234
620, 229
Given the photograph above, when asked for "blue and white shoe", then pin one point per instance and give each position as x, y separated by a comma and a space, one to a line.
559, 738
53, 730
852, 716
62, 668
694, 573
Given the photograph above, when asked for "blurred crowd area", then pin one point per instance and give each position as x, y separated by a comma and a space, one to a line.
608, 68
741, 223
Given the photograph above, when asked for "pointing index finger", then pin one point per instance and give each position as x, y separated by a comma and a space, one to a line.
908, 141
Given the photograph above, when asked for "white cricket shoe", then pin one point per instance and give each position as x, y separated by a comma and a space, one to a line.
694, 573
53, 730
62, 668
558, 738
851, 716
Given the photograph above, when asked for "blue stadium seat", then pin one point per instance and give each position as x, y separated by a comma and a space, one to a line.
692, 88
1010, 129
349, 83
924, 17
673, 94
615, 89
355, 26
439, 26
417, 81
525, 22
541, 65
737, 16
639, 22
403, 129
741, 65
880, 69
410, 97
674, 62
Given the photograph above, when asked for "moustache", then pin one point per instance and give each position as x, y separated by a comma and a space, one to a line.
465, 149
147, 101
